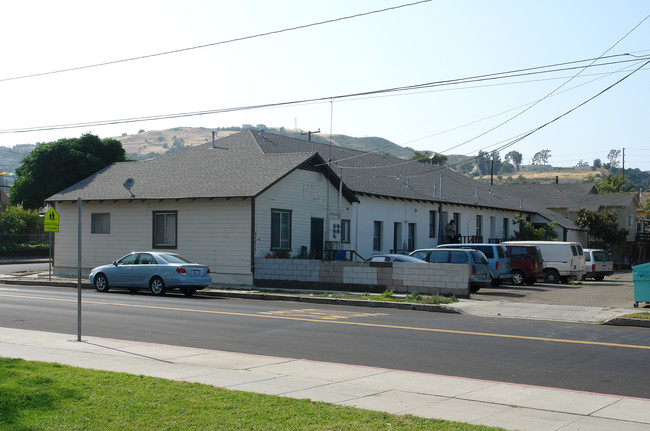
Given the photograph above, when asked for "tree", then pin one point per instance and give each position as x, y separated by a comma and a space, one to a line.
428, 157
438, 159
597, 163
541, 157
507, 168
582, 164
611, 184
422, 157
602, 225
16, 220
514, 158
55, 166
527, 232
483, 162
613, 158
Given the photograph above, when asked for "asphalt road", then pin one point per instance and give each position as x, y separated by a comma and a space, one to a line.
603, 359
614, 291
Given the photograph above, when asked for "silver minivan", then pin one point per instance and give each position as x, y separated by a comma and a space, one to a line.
479, 267
496, 254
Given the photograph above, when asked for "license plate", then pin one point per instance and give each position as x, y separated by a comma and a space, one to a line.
196, 271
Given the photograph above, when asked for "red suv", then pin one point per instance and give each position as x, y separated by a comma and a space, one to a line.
526, 264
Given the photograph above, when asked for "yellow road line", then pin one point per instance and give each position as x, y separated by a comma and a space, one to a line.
338, 322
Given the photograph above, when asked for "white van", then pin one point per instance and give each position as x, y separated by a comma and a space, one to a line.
562, 260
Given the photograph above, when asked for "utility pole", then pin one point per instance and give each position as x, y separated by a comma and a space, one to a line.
309, 134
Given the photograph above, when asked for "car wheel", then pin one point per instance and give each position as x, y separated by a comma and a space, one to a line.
187, 291
599, 277
564, 280
101, 283
495, 281
474, 289
518, 278
157, 286
552, 276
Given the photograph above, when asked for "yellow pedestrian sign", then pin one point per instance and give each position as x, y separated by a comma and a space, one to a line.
51, 221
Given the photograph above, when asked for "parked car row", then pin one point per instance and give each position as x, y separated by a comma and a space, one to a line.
518, 262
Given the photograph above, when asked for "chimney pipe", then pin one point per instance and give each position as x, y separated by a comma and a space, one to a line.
213, 133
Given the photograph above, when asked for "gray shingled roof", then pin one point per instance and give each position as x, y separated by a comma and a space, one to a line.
234, 168
246, 163
387, 176
569, 196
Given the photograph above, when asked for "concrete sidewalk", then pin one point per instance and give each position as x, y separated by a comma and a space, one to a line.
511, 406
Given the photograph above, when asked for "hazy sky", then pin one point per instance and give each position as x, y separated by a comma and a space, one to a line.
437, 41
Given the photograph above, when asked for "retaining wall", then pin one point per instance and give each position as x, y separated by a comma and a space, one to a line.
373, 277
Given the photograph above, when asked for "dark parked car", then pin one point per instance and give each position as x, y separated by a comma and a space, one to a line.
526, 264
152, 270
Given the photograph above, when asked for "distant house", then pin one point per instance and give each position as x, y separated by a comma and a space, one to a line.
566, 199
255, 194
535, 168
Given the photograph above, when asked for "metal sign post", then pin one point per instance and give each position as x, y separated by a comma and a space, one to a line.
51, 224
79, 269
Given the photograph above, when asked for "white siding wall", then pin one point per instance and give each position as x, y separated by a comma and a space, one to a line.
215, 233
307, 195
390, 211
628, 213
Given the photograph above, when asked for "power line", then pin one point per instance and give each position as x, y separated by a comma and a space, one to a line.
536, 129
552, 92
478, 78
238, 39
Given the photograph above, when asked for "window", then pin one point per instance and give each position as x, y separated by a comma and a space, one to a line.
280, 229
432, 224
345, 231
479, 225
100, 223
164, 229
506, 231
376, 236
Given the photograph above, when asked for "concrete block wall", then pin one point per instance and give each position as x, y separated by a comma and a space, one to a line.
375, 277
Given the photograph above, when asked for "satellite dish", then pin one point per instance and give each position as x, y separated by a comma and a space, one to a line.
128, 184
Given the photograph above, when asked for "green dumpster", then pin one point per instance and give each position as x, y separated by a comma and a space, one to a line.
641, 277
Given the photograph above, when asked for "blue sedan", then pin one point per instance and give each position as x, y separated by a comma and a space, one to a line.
156, 271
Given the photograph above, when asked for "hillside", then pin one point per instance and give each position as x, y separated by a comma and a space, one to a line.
155, 143
549, 177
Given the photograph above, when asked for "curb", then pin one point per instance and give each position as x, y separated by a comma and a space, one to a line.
441, 308
626, 321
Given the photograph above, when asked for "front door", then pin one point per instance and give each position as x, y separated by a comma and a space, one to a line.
316, 238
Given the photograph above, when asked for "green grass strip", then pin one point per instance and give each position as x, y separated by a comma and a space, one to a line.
47, 396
